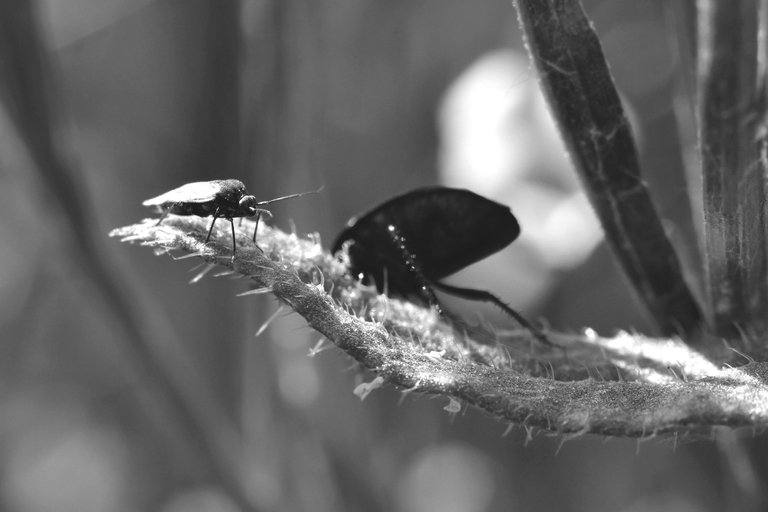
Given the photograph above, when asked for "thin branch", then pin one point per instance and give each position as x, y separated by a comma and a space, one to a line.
629, 385
581, 95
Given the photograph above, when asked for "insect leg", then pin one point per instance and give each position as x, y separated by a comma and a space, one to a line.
256, 227
412, 265
482, 295
215, 216
258, 218
163, 216
234, 243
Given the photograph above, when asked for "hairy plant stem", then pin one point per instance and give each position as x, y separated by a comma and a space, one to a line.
629, 385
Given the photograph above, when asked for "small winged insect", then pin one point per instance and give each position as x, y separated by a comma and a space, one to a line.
220, 198
407, 244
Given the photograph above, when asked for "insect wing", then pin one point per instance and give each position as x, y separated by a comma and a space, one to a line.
197, 192
446, 229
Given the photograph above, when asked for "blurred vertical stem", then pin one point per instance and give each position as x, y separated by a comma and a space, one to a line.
271, 101
680, 18
217, 150
583, 99
169, 381
731, 113
218, 118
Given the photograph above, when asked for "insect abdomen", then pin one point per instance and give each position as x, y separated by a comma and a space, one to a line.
199, 209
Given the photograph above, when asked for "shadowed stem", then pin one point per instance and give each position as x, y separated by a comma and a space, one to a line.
732, 144
579, 88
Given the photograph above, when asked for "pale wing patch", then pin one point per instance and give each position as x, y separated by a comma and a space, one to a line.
197, 192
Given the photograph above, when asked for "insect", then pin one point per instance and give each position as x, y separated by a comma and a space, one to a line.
220, 198
407, 244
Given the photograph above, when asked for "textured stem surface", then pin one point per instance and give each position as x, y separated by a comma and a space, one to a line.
629, 385
581, 95
731, 116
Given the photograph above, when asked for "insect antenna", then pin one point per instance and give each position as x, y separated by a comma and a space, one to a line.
261, 203
260, 211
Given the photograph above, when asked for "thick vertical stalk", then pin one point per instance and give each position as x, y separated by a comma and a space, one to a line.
730, 107
579, 88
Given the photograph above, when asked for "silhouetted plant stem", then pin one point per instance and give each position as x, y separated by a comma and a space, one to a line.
732, 137
583, 100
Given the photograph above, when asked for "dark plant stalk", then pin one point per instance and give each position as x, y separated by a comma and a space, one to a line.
731, 133
579, 88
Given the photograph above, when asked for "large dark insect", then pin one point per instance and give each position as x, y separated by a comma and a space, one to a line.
220, 198
407, 244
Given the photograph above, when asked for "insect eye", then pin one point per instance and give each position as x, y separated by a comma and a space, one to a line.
248, 203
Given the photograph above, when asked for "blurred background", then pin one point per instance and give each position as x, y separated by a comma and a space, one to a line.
369, 99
